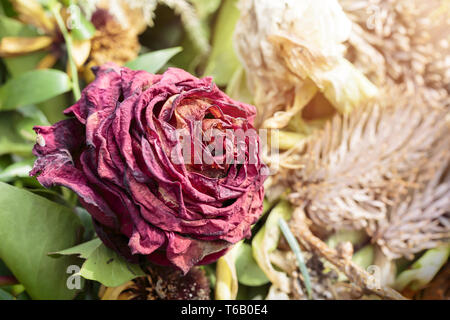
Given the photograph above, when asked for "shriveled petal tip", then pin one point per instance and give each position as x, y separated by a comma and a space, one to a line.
57, 150
80, 51
150, 240
184, 253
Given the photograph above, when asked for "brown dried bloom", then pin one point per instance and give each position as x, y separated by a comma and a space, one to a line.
402, 41
162, 283
116, 40
380, 168
292, 50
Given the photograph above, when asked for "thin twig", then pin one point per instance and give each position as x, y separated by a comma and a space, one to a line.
353, 272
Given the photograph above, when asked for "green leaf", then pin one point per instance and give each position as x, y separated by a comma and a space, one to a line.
10, 140
5, 295
84, 250
83, 30
6, 8
252, 293
106, 266
237, 86
223, 62
103, 264
424, 269
33, 87
19, 169
53, 108
14, 28
248, 271
86, 220
153, 61
22, 64
365, 256
32, 116
30, 227
4, 271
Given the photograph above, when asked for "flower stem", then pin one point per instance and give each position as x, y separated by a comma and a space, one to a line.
55, 9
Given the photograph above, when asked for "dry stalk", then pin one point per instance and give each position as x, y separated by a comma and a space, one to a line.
355, 274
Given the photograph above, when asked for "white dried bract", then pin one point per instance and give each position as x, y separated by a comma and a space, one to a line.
293, 48
383, 169
402, 41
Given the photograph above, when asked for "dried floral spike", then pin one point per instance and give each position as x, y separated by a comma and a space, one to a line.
360, 168
420, 221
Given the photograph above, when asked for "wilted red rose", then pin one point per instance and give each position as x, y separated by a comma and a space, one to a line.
124, 156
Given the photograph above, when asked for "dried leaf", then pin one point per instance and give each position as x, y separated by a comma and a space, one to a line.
12, 46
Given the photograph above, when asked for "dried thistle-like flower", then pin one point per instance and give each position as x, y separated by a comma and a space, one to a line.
406, 41
162, 283
294, 49
362, 170
420, 220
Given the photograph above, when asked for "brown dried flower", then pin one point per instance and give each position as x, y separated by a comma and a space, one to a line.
111, 43
162, 283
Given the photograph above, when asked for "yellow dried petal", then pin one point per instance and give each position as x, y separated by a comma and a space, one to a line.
13, 46
226, 276
47, 62
304, 94
31, 12
80, 51
113, 293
